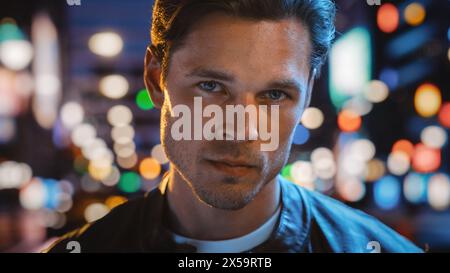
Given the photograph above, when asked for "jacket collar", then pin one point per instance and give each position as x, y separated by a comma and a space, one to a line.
293, 227
290, 234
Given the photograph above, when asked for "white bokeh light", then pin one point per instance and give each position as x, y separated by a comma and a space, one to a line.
106, 44
114, 86
16, 54
71, 114
312, 118
119, 115
434, 136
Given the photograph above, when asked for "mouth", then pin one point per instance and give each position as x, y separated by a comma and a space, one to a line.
233, 167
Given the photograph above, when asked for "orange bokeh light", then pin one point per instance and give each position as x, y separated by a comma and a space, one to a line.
444, 115
426, 159
149, 168
349, 121
405, 146
427, 100
388, 18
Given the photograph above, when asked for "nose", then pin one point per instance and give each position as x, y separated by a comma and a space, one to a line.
241, 118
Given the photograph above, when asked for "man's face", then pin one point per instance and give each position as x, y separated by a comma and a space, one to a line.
231, 61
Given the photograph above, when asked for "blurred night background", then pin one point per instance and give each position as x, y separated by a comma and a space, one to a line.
79, 135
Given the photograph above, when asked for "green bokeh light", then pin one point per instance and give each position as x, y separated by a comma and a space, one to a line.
350, 66
129, 182
143, 100
286, 172
9, 31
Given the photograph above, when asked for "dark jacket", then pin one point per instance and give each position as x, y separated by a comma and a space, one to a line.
309, 222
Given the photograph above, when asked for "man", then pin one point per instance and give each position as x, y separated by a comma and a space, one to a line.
224, 194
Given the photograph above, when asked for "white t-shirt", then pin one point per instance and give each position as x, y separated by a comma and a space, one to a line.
235, 245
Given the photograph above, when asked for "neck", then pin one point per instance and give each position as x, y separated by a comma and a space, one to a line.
190, 217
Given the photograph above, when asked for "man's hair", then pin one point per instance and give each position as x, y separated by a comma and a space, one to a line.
172, 20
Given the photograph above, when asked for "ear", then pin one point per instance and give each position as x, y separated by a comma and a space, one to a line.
152, 78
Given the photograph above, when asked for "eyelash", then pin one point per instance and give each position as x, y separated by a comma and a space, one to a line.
210, 82
286, 95
265, 93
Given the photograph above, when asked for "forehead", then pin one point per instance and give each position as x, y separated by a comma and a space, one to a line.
247, 48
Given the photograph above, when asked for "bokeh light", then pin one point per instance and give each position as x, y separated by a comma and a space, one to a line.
159, 154
439, 191
398, 163
125, 149
444, 115
119, 115
127, 162
72, 114
129, 182
427, 100
286, 172
88, 184
82, 134
16, 54
14, 174
100, 169
351, 189
301, 135
414, 14
426, 159
312, 118
303, 174
434, 136
388, 18
349, 121
33, 196
95, 211
390, 77
415, 188
149, 168
92, 147
112, 178
387, 192
122, 134
404, 146
376, 91
113, 86
362, 149
358, 105
375, 169
143, 100
106, 44
323, 163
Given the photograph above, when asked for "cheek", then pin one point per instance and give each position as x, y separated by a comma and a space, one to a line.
288, 122
277, 159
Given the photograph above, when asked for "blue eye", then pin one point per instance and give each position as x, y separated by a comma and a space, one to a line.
275, 95
209, 86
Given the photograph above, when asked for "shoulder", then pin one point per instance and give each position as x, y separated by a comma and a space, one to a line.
336, 227
115, 232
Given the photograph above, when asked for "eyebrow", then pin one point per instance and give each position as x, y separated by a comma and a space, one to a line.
286, 84
211, 73
229, 77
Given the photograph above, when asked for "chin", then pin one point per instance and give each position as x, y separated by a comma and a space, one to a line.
229, 195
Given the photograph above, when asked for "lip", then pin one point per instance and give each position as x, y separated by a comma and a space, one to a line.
234, 167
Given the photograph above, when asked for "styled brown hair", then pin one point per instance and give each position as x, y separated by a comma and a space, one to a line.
172, 20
